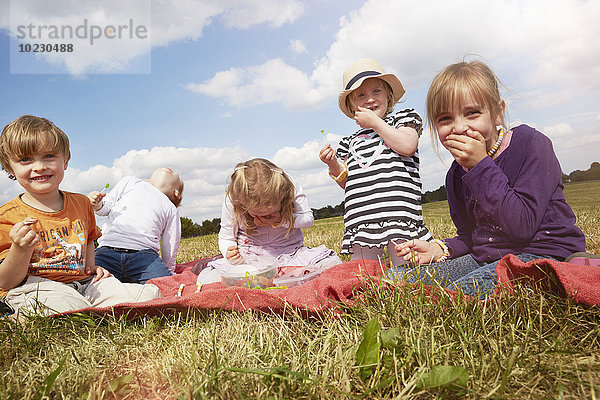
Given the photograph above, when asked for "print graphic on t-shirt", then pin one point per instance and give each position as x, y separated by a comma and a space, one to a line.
59, 254
369, 137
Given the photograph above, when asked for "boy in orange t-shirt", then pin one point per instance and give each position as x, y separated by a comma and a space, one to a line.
46, 235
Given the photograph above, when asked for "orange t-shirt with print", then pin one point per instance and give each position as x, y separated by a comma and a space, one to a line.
64, 236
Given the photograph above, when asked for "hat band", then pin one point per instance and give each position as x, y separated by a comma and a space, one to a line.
359, 76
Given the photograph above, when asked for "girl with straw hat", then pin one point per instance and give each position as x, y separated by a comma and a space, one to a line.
377, 166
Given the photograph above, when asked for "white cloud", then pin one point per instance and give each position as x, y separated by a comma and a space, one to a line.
167, 22
332, 139
273, 81
297, 46
543, 98
514, 34
8, 188
104, 38
4, 14
519, 40
245, 13
433, 166
558, 131
294, 159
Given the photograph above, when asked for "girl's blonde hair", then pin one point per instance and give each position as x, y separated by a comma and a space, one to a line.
451, 86
28, 135
258, 183
388, 91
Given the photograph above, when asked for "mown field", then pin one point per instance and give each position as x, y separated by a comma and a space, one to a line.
395, 343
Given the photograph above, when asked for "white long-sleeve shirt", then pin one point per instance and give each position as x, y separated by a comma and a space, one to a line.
141, 217
272, 241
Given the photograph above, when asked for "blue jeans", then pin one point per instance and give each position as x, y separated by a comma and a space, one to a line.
134, 267
462, 273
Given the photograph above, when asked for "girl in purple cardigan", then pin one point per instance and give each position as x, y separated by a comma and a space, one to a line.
504, 188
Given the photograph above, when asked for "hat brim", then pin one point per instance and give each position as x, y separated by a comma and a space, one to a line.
397, 91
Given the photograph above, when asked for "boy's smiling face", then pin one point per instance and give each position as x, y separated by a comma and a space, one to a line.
40, 173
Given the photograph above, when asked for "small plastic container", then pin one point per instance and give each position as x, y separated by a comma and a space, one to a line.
290, 280
250, 276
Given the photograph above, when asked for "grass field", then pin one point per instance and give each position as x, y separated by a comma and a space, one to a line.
395, 343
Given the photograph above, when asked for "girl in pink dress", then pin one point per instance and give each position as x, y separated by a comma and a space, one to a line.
262, 218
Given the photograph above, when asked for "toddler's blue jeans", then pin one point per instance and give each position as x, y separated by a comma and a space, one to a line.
461, 273
130, 266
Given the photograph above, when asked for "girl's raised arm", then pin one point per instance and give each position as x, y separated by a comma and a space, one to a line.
227, 231
302, 212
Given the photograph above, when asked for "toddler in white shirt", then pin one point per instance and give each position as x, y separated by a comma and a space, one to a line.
142, 220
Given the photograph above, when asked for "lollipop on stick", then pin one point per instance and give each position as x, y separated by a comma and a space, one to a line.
324, 136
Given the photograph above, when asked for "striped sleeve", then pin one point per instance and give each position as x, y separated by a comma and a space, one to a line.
343, 150
407, 117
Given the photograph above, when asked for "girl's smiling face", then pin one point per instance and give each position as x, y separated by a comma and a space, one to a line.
372, 94
469, 116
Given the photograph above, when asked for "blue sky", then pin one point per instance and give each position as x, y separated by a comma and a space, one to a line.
232, 80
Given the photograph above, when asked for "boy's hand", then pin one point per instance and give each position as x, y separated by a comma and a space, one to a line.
23, 235
96, 199
100, 273
366, 118
233, 255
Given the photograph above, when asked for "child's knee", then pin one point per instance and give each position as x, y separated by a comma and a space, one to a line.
40, 296
366, 253
110, 291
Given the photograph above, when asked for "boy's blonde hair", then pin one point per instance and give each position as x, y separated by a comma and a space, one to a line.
28, 135
450, 87
258, 183
388, 91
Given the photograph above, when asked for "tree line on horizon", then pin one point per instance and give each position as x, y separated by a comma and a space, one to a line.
591, 174
191, 229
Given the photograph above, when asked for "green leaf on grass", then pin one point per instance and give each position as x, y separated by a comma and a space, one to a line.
49, 381
389, 338
118, 384
444, 376
367, 354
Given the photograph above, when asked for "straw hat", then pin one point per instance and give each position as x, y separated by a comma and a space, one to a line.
363, 69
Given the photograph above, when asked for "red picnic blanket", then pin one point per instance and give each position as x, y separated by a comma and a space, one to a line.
578, 279
336, 285
340, 285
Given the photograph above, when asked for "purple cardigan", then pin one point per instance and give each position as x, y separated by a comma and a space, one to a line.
513, 204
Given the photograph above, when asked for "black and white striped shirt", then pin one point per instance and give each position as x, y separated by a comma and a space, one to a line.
383, 189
